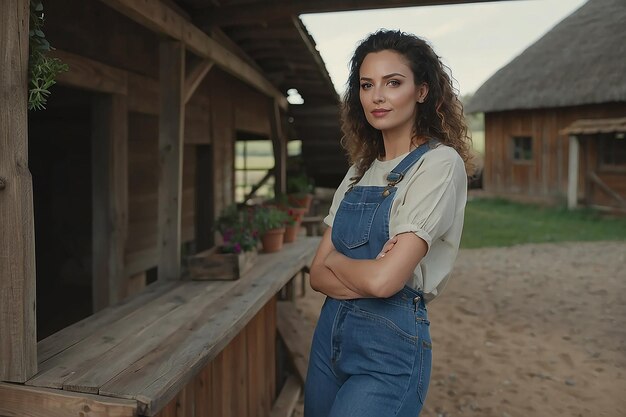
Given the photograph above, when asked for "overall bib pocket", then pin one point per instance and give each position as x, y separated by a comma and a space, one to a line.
353, 223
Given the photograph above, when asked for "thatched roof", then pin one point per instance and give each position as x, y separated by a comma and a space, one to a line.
582, 60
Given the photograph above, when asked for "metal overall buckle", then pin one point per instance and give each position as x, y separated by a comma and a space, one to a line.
392, 178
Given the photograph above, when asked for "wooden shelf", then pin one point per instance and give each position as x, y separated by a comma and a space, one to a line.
148, 347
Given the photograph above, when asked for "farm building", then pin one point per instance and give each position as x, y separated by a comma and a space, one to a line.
104, 195
549, 114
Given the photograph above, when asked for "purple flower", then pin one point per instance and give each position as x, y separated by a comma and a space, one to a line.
237, 248
227, 235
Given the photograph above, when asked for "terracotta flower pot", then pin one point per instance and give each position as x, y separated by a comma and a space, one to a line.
300, 200
272, 240
291, 232
297, 213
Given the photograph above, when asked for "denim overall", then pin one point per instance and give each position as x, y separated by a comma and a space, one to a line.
370, 357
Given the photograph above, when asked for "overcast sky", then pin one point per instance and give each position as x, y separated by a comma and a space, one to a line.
474, 40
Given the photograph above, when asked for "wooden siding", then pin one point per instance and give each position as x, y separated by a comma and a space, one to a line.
143, 177
545, 176
240, 381
93, 30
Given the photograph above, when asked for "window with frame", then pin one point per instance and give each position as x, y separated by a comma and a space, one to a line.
612, 149
522, 148
254, 160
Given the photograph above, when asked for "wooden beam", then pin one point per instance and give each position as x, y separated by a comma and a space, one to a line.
18, 340
90, 75
195, 77
159, 17
87, 74
220, 37
279, 142
608, 190
263, 12
171, 133
265, 33
18, 400
572, 176
109, 155
287, 399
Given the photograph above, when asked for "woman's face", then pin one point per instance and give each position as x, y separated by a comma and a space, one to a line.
388, 92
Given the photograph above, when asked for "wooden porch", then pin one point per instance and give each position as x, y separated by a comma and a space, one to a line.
184, 348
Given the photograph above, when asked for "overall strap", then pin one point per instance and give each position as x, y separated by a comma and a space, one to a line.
397, 174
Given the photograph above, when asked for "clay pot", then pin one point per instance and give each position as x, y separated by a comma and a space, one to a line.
300, 200
272, 240
297, 213
291, 232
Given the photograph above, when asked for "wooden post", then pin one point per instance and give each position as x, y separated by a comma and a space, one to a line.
572, 179
18, 339
171, 125
279, 141
109, 155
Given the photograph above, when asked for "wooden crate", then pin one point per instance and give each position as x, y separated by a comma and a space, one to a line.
212, 265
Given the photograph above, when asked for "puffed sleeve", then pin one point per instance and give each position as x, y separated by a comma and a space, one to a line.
431, 198
341, 191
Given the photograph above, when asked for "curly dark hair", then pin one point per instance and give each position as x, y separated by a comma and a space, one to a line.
440, 116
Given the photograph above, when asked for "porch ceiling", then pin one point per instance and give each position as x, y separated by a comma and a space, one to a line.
270, 35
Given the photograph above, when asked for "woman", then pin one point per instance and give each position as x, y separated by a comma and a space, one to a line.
395, 226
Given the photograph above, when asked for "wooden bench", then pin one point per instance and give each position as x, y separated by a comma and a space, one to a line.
313, 225
297, 333
145, 350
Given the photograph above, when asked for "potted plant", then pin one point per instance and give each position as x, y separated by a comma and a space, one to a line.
238, 230
237, 252
300, 191
270, 222
294, 213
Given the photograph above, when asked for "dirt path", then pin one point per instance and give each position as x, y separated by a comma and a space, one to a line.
531, 330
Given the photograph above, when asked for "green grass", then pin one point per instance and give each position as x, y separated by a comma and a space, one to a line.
495, 222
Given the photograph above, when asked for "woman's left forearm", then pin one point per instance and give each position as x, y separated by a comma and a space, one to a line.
381, 277
354, 273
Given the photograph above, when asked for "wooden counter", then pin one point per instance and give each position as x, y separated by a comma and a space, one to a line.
149, 347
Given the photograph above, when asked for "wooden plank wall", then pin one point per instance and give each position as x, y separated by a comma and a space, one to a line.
220, 106
18, 358
240, 381
544, 178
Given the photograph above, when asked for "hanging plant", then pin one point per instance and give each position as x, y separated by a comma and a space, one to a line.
42, 69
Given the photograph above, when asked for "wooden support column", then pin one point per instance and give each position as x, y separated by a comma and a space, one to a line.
18, 339
572, 179
171, 125
109, 156
279, 141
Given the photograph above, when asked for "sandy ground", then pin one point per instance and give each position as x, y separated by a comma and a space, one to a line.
531, 330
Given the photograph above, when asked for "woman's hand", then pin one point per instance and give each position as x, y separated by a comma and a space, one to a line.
388, 246
323, 279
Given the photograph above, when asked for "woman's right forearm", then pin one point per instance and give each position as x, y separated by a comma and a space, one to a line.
324, 280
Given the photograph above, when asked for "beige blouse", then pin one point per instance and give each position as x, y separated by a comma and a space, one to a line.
430, 202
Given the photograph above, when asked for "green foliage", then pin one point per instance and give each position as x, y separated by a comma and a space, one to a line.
238, 230
268, 218
300, 184
497, 222
42, 70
